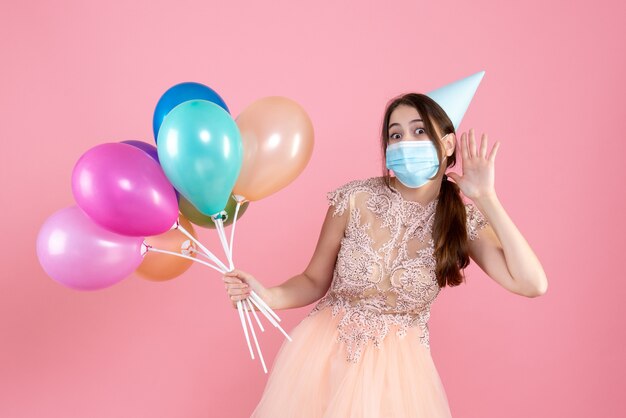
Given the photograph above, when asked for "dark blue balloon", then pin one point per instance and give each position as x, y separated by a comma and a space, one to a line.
178, 94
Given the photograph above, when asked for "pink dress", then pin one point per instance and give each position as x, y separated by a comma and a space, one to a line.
363, 350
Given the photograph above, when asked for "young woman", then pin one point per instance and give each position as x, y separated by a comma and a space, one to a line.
387, 247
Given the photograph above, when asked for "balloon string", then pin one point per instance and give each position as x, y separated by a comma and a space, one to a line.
157, 250
199, 253
193, 250
212, 257
219, 225
232, 230
256, 341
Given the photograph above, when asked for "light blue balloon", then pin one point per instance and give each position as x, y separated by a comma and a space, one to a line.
179, 93
201, 152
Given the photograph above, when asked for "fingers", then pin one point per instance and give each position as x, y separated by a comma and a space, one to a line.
468, 145
236, 284
494, 150
472, 144
231, 280
237, 290
238, 273
238, 294
236, 298
483, 146
235, 272
235, 276
230, 286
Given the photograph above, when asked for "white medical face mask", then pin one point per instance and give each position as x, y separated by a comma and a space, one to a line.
413, 162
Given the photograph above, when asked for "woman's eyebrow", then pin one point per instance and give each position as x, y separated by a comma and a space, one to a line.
414, 120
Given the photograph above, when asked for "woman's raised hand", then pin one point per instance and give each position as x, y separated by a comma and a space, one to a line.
478, 167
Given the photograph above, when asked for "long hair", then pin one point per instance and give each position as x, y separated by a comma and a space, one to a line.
449, 229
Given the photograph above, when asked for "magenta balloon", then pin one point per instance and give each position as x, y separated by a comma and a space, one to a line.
124, 190
80, 254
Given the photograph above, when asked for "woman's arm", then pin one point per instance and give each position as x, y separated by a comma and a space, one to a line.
309, 286
501, 250
503, 253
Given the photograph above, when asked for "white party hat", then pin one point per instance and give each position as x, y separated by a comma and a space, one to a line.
455, 97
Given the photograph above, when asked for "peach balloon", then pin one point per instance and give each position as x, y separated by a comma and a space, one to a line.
160, 267
277, 136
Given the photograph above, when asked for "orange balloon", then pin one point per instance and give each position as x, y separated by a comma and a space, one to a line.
277, 137
160, 267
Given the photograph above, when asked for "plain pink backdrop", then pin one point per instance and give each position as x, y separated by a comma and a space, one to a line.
75, 74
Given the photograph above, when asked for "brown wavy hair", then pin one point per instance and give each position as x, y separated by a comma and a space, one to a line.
449, 229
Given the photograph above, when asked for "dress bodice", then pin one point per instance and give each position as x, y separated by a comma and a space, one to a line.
385, 268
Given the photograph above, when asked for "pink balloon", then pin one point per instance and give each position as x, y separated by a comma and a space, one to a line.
124, 190
82, 255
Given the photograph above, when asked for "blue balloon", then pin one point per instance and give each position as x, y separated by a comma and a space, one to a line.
178, 94
201, 153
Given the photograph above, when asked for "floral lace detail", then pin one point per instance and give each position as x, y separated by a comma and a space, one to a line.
365, 323
384, 275
339, 197
475, 221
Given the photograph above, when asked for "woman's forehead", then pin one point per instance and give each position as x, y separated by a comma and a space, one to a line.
404, 114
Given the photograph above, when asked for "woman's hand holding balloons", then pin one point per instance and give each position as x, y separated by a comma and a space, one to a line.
129, 195
238, 284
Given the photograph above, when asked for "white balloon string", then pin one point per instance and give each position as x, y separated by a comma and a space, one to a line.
252, 298
256, 342
200, 253
202, 247
157, 250
232, 230
219, 225
258, 321
243, 325
254, 295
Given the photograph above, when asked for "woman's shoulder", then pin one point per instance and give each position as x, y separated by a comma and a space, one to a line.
368, 183
340, 195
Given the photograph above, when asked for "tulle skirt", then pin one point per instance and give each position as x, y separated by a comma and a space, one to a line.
311, 378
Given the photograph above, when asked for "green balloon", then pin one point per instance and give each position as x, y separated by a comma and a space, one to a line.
198, 218
201, 153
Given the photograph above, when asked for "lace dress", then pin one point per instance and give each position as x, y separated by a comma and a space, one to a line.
363, 350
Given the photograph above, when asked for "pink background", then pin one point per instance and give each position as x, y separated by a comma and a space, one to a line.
75, 75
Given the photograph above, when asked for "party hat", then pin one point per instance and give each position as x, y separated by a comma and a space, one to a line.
455, 97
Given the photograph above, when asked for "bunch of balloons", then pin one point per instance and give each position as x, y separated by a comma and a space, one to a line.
136, 203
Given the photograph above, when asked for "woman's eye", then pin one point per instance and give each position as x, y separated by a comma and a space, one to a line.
421, 129
391, 136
